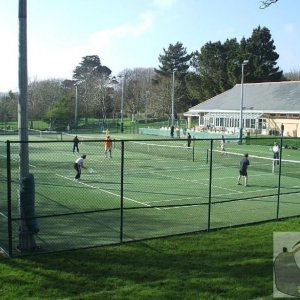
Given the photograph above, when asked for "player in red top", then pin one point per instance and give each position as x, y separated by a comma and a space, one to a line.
108, 146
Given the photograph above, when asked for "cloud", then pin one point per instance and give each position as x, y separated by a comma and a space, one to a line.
163, 3
289, 28
106, 37
54, 62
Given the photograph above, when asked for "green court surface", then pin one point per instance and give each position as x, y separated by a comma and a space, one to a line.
163, 186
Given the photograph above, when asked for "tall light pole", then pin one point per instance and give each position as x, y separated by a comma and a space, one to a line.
26, 189
76, 107
242, 103
146, 104
173, 92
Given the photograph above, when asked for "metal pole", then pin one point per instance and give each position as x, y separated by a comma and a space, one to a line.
242, 103
76, 107
23, 82
173, 91
9, 198
122, 193
210, 187
122, 104
279, 180
26, 238
146, 104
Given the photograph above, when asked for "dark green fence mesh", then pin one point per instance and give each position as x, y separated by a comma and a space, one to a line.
149, 188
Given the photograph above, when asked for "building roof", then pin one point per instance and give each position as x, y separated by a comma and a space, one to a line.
265, 97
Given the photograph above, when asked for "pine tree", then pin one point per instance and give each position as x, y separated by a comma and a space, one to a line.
260, 51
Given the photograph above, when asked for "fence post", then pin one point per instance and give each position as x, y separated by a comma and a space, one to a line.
279, 179
209, 186
122, 192
9, 225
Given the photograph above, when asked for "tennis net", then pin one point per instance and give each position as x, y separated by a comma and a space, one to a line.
289, 168
82, 138
48, 134
160, 150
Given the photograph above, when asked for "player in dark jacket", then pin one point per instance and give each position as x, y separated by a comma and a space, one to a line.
244, 163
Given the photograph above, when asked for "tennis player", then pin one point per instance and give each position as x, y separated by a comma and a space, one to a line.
222, 143
275, 150
244, 163
75, 144
189, 139
78, 165
108, 146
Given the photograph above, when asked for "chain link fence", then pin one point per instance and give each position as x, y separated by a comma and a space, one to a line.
150, 188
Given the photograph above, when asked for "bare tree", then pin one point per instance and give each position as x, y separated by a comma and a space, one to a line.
100, 100
87, 75
42, 95
137, 90
293, 75
266, 3
161, 98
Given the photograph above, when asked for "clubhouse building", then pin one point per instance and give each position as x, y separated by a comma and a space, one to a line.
268, 107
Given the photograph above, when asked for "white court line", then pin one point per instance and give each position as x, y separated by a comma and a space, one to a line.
105, 191
201, 197
18, 160
178, 178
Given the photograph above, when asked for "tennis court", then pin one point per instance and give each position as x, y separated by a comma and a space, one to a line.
149, 188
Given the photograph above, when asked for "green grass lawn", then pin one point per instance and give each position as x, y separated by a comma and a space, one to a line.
234, 263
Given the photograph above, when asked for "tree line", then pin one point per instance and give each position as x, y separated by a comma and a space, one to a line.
146, 92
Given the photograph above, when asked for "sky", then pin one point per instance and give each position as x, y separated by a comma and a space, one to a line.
128, 34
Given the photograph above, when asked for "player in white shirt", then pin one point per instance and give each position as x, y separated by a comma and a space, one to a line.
222, 143
275, 150
78, 165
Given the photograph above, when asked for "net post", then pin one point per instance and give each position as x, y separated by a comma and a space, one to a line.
193, 150
207, 151
193, 153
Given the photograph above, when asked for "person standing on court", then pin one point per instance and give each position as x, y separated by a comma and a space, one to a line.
275, 150
172, 131
282, 129
75, 144
78, 165
189, 140
108, 146
244, 163
222, 144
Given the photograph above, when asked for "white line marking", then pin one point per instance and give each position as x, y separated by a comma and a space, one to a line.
105, 191
178, 178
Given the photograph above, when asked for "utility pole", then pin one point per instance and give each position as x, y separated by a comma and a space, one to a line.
26, 197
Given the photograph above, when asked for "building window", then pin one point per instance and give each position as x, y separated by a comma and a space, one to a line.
247, 123
221, 121
262, 123
201, 119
